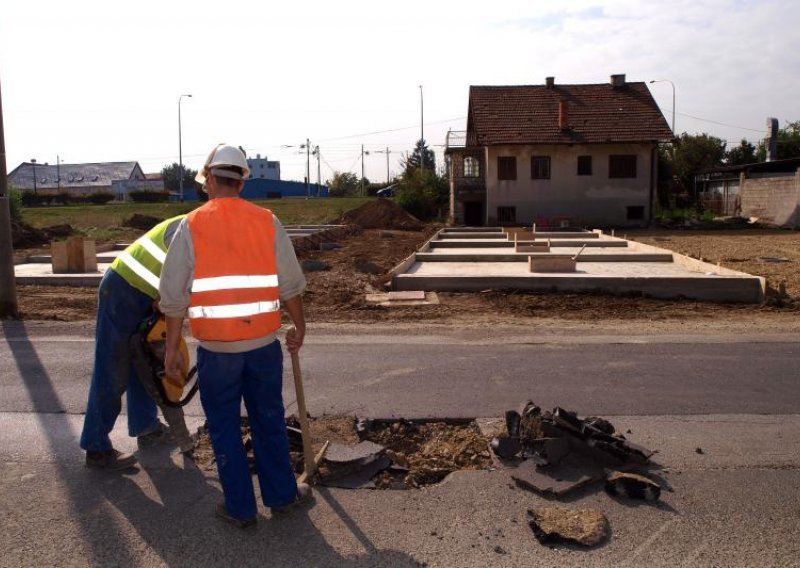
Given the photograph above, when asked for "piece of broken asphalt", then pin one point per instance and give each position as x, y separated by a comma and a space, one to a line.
554, 525
632, 486
341, 453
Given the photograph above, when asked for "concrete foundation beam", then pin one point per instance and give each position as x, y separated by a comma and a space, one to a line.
709, 289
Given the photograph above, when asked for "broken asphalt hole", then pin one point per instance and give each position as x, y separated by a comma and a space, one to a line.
377, 453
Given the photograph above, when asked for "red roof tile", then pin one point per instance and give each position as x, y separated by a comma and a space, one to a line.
528, 114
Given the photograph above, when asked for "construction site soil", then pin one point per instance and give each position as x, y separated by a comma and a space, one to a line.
361, 263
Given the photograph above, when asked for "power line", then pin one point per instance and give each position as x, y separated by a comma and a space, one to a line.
720, 123
391, 129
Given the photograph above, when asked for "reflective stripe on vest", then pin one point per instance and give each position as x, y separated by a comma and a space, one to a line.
234, 310
139, 269
153, 249
235, 282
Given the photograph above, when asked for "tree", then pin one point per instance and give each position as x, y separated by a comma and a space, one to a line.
343, 184
421, 155
423, 193
788, 143
694, 154
744, 153
172, 177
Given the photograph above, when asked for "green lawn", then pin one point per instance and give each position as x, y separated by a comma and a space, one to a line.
103, 222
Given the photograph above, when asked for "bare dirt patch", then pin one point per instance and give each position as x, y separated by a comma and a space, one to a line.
337, 294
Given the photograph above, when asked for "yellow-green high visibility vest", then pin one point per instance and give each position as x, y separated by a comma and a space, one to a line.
140, 264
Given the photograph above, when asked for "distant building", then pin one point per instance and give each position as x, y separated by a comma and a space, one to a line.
270, 189
261, 168
767, 190
557, 154
83, 179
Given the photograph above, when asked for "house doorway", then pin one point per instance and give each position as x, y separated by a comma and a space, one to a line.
473, 213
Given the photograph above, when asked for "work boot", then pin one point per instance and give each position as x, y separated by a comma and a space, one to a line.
158, 436
304, 495
243, 524
113, 460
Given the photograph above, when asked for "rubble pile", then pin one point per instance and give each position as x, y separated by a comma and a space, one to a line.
381, 214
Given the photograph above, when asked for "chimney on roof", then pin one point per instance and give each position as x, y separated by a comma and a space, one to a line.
563, 115
771, 141
618, 80
549, 82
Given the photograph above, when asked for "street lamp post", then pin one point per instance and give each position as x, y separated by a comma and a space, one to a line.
421, 115
673, 99
33, 161
180, 150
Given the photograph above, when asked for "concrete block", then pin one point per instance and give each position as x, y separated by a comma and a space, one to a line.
75, 255
551, 263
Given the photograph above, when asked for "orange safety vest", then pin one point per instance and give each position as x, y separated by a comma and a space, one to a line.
234, 293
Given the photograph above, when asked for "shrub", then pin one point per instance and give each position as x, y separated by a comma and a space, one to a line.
146, 196
100, 198
15, 203
29, 198
422, 193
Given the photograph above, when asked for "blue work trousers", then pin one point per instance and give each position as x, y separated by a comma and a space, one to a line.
120, 310
256, 376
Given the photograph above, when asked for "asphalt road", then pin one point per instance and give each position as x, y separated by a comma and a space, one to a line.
736, 502
464, 375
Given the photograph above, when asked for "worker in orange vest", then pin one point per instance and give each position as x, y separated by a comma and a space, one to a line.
231, 268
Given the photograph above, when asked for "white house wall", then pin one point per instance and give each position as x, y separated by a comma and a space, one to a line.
594, 200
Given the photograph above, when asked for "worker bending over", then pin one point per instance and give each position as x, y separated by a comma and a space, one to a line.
125, 297
230, 268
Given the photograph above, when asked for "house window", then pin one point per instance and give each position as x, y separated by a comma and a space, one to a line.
506, 168
506, 215
471, 168
540, 167
635, 212
584, 165
622, 166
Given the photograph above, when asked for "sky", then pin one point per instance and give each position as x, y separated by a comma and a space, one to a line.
87, 81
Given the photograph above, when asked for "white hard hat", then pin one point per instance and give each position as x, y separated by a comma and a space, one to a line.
222, 157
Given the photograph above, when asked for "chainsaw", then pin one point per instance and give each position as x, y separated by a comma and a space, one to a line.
170, 393
153, 335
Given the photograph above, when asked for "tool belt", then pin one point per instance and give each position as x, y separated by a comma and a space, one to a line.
152, 337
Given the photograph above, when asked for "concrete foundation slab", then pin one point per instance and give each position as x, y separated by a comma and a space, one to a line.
606, 264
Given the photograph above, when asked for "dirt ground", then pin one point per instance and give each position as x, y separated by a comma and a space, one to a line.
360, 265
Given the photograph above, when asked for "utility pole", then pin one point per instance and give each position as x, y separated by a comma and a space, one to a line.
308, 168
421, 125
362, 170
8, 285
33, 161
180, 150
58, 172
319, 170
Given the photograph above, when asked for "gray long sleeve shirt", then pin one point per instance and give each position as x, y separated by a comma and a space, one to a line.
177, 276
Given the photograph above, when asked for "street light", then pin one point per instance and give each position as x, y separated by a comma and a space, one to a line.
33, 161
421, 116
673, 99
180, 150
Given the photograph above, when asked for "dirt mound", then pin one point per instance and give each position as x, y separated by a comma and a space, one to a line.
142, 222
381, 214
25, 236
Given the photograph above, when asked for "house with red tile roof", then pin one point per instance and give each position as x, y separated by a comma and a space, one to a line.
557, 155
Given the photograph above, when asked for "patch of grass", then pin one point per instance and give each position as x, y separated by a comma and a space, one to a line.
104, 222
